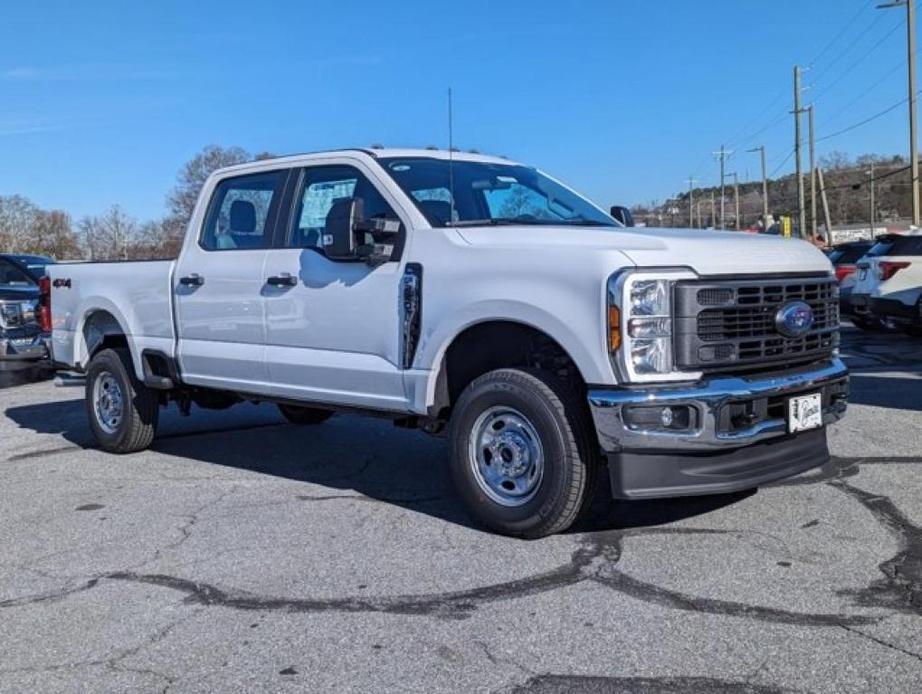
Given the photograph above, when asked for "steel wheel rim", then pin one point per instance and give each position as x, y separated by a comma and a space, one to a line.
506, 456
108, 402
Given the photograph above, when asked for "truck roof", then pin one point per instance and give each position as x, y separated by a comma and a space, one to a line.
373, 152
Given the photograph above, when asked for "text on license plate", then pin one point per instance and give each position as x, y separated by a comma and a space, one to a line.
805, 412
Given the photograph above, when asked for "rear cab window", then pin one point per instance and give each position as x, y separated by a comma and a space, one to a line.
242, 211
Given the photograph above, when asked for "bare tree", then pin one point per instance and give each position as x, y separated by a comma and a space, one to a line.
53, 235
16, 216
112, 235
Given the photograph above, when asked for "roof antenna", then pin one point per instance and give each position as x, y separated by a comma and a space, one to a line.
451, 177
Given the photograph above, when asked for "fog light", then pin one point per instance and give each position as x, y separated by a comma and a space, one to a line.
665, 417
660, 418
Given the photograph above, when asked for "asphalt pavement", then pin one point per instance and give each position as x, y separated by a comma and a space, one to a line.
243, 553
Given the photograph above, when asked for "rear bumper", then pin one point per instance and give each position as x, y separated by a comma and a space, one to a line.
895, 310
20, 354
737, 436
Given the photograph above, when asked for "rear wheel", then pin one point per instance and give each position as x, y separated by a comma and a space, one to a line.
521, 452
122, 411
304, 415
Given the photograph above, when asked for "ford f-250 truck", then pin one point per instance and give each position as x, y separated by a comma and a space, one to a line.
480, 297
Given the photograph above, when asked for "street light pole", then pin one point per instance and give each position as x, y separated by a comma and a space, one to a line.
736, 200
871, 185
798, 142
761, 150
913, 101
691, 220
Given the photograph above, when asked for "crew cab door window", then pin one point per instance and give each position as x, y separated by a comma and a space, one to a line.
321, 188
241, 212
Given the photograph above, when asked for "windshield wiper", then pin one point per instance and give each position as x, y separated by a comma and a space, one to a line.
585, 223
494, 221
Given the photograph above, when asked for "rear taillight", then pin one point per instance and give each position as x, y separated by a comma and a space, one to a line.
44, 304
843, 271
888, 268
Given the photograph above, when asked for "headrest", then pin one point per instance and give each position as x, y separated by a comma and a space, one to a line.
242, 217
438, 210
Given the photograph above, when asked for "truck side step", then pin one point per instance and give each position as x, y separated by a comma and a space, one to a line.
158, 382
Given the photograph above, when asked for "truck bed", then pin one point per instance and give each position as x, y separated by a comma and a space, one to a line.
134, 296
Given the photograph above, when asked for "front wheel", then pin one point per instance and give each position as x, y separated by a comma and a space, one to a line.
521, 452
123, 412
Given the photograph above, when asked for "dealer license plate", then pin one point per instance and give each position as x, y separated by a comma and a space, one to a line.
805, 412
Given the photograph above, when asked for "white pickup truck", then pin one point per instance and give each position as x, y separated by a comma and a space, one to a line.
481, 298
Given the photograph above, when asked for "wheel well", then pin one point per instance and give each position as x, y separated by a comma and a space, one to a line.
101, 330
497, 345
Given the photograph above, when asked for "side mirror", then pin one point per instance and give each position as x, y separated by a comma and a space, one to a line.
349, 236
623, 215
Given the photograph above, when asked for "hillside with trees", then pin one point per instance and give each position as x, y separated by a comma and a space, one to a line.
847, 192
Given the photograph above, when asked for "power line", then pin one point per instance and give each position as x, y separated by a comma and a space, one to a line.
855, 64
863, 122
854, 43
783, 162
862, 93
841, 33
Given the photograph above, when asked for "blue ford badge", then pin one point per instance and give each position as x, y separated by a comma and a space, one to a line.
794, 319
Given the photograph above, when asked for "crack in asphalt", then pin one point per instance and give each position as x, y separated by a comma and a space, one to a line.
564, 684
901, 587
881, 642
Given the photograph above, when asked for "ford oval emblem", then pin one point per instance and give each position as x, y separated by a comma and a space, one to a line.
794, 319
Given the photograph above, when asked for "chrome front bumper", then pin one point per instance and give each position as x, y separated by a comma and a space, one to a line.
708, 398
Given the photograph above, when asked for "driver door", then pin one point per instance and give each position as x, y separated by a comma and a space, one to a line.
332, 326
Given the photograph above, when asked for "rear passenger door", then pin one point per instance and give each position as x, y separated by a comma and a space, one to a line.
219, 284
333, 325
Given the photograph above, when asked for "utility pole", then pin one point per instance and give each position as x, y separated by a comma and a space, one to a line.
761, 150
736, 200
812, 155
798, 140
691, 202
713, 212
913, 100
723, 154
871, 210
826, 221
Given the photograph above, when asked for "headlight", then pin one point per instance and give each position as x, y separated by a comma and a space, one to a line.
644, 302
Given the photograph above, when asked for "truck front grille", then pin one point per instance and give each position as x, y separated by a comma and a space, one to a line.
730, 325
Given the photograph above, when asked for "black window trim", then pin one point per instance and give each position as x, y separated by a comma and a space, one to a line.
272, 216
292, 199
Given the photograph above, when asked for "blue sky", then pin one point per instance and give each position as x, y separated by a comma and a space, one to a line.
101, 102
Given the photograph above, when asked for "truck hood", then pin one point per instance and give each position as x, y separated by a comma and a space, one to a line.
705, 252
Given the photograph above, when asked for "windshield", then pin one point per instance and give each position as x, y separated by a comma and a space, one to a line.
490, 193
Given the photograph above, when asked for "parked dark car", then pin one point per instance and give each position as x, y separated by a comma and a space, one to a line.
845, 257
22, 340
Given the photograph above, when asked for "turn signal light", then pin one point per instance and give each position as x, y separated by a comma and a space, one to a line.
614, 328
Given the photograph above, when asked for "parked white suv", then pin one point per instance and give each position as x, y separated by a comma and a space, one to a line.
477, 297
897, 299
888, 284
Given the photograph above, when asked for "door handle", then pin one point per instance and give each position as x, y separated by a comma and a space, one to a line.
282, 280
193, 280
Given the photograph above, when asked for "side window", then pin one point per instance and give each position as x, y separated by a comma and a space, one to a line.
324, 186
239, 212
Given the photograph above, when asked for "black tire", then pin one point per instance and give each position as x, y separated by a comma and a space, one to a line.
562, 425
304, 415
135, 429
